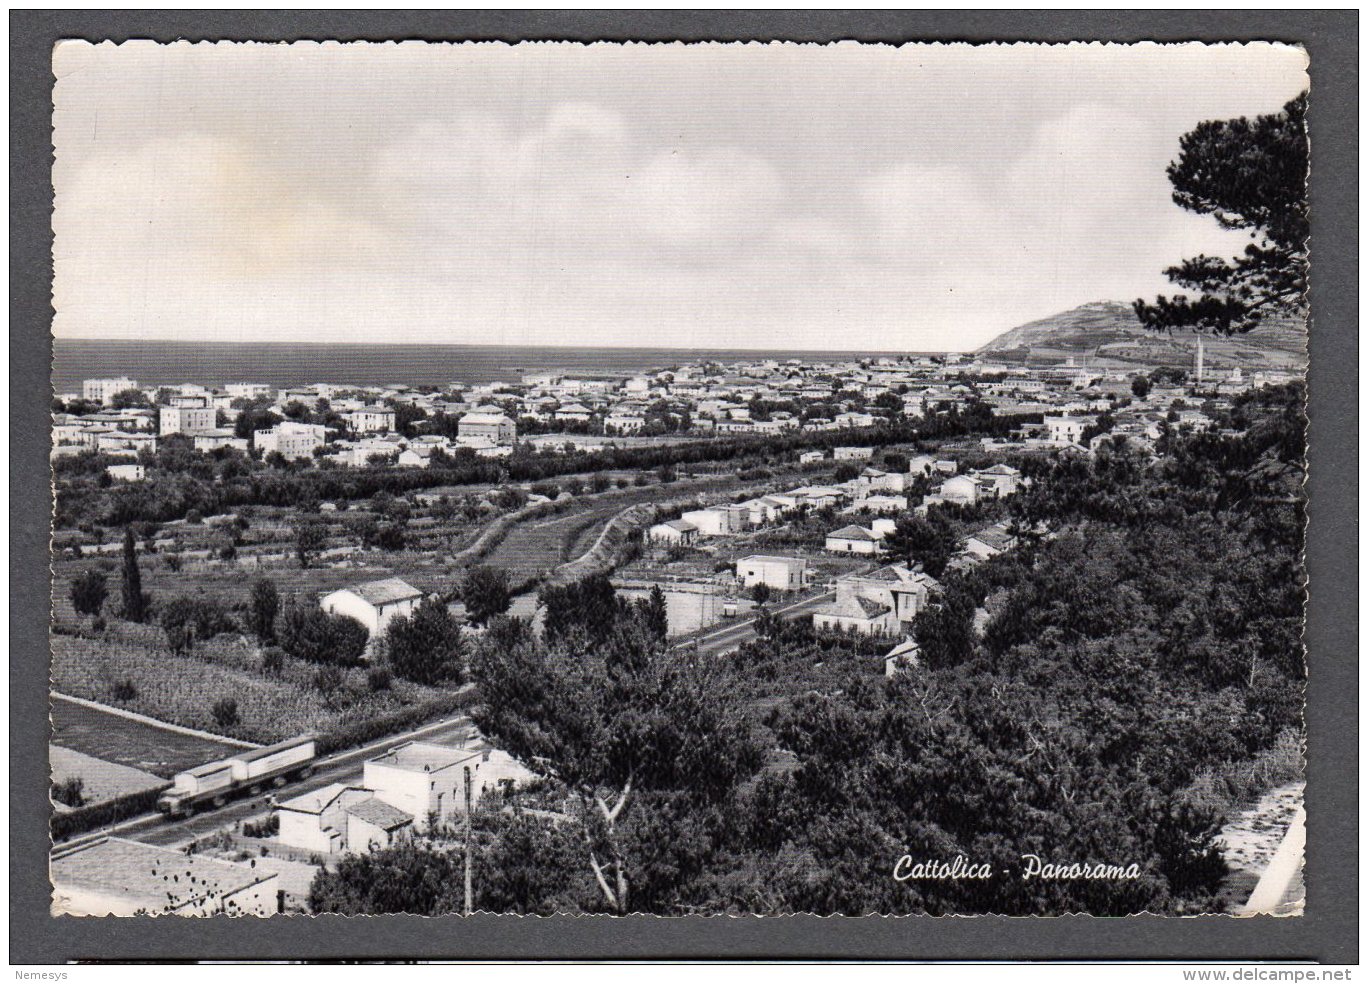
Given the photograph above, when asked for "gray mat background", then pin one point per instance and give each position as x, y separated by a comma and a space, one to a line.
1329, 931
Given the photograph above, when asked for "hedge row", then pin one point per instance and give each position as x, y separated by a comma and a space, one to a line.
87, 818
373, 729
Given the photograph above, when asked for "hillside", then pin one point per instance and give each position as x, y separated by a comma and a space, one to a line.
1108, 333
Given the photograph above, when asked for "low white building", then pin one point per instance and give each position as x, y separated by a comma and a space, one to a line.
339, 818
126, 473
676, 532
212, 440
779, 573
374, 603
852, 454
718, 520
903, 657
491, 425
854, 540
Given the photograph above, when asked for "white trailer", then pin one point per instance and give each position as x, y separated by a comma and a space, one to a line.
214, 782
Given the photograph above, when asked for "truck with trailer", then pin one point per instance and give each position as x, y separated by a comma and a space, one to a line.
250, 771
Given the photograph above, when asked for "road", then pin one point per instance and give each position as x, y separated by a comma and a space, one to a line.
731, 636
347, 766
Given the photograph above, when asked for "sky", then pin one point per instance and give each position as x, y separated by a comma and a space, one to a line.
776, 196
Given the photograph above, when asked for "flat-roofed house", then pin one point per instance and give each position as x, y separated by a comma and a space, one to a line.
126, 473
851, 454
291, 439
113, 876
219, 437
371, 420
884, 503
779, 573
718, 520
428, 781
187, 420
1066, 430
374, 603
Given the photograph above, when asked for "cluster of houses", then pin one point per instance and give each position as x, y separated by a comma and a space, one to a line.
696, 399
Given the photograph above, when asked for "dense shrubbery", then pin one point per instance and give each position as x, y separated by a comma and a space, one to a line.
1124, 667
307, 632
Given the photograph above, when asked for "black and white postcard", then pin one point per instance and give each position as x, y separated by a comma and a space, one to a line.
711, 479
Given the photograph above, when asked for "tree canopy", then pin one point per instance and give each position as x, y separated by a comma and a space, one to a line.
1250, 175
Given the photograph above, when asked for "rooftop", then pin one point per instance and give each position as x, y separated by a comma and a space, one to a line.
420, 757
386, 591
315, 801
851, 533
380, 813
157, 878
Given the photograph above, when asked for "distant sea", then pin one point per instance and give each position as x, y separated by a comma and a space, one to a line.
160, 363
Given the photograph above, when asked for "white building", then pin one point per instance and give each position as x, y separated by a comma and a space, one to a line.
217, 438
878, 603
718, 520
852, 454
903, 657
126, 473
374, 603
853, 540
492, 426
113, 876
340, 818
779, 573
291, 439
187, 420
1066, 430
675, 532
428, 781
371, 420
102, 391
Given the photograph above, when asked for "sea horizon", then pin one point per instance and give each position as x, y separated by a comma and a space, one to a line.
277, 363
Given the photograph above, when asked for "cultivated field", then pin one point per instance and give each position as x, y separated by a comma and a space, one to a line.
145, 677
134, 744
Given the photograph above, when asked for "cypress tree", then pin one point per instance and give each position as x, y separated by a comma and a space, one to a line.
134, 604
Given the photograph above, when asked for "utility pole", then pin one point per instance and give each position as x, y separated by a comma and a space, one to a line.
468, 906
